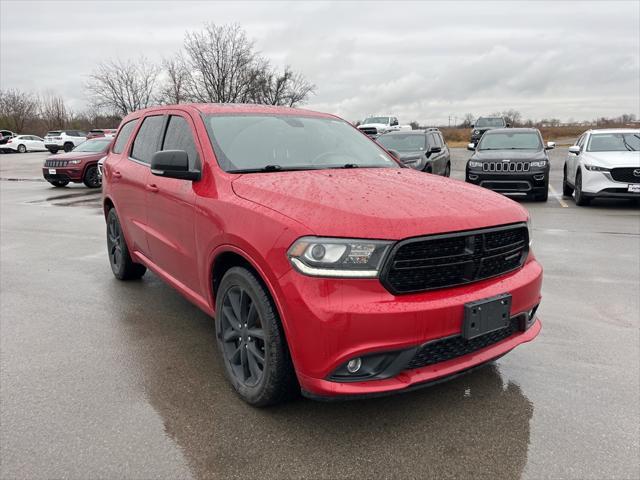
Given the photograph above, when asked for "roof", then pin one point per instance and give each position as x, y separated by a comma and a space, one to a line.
512, 130
235, 108
614, 130
405, 132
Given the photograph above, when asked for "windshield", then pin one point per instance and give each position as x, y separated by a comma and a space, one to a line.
510, 141
490, 122
93, 146
614, 142
384, 120
403, 142
281, 142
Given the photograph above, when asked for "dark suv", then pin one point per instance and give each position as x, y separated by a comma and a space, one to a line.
512, 160
484, 124
423, 150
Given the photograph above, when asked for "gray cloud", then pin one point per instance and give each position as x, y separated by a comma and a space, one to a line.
421, 60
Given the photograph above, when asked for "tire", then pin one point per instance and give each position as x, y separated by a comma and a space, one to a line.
259, 369
22, 149
59, 183
581, 200
447, 170
68, 147
122, 266
91, 178
53, 150
567, 190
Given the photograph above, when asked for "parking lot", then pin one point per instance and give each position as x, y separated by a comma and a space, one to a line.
106, 379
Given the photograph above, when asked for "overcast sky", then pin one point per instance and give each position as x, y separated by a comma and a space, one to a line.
420, 60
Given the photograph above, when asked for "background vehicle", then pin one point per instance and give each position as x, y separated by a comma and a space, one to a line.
603, 163
102, 132
340, 278
423, 150
483, 124
511, 161
5, 135
373, 126
65, 140
77, 166
24, 143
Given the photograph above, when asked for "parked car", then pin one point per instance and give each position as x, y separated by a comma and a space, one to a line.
512, 161
65, 140
484, 124
102, 132
327, 267
603, 163
24, 143
80, 165
374, 126
423, 150
5, 135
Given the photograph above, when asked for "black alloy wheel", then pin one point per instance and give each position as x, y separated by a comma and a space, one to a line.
121, 264
567, 190
68, 147
581, 200
91, 178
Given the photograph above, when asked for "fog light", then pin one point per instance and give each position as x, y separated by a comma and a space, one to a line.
473, 177
539, 177
354, 365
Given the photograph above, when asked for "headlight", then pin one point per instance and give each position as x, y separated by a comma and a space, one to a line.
338, 257
74, 162
595, 168
530, 229
474, 164
476, 131
539, 163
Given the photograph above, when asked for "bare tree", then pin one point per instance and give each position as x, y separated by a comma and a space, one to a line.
174, 88
468, 120
53, 111
123, 86
298, 90
17, 108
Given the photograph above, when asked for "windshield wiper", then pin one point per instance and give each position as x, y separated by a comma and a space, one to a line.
268, 168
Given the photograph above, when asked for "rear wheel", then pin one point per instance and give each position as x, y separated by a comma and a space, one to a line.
581, 200
59, 183
91, 178
119, 258
53, 150
22, 149
68, 147
567, 190
251, 340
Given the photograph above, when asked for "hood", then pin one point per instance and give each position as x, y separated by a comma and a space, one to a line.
78, 156
488, 155
612, 159
377, 203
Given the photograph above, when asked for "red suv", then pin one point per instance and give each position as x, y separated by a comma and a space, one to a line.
327, 266
78, 166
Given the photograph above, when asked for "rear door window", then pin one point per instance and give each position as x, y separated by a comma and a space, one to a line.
147, 141
180, 137
123, 136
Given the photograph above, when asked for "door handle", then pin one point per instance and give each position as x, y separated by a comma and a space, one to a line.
152, 188
117, 174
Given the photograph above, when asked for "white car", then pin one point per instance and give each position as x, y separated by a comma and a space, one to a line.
603, 163
374, 126
24, 143
65, 140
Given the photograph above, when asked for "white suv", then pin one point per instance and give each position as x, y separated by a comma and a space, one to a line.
65, 140
603, 163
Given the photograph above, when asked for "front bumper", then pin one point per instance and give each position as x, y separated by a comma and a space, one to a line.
532, 182
63, 173
600, 184
329, 321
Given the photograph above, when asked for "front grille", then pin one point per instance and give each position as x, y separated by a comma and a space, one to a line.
626, 175
369, 130
505, 167
457, 346
439, 261
56, 163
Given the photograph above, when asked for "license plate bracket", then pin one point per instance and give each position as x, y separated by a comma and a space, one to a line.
633, 188
486, 315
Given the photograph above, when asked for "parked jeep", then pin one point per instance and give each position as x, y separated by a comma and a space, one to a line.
486, 123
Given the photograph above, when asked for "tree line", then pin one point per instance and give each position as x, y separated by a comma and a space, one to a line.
218, 64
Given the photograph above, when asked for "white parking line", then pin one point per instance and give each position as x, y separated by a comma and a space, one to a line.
558, 197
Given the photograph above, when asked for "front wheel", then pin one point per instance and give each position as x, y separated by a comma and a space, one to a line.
91, 178
251, 340
567, 190
59, 183
581, 200
53, 150
119, 258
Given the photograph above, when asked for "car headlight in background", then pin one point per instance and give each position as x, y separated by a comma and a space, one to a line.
338, 257
474, 164
539, 163
595, 168
75, 162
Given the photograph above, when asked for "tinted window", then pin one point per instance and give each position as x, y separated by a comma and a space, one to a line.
433, 140
614, 142
123, 136
490, 122
179, 137
510, 141
442, 142
407, 142
147, 141
98, 145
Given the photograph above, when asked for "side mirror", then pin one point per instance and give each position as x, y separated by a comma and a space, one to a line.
435, 150
575, 149
471, 146
173, 164
550, 146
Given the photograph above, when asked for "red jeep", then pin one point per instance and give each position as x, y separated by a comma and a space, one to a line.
327, 266
78, 165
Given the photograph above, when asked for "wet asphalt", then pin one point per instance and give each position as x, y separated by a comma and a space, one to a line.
105, 379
